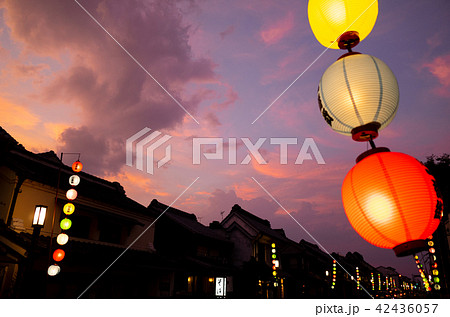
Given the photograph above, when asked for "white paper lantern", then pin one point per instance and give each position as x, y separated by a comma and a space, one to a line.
53, 270
74, 180
62, 238
358, 95
71, 194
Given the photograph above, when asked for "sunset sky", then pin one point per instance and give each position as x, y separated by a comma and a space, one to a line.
67, 86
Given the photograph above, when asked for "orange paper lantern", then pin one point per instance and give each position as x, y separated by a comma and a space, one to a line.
390, 199
77, 166
58, 255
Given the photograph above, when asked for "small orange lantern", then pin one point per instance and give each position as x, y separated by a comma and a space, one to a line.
58, 255
390, 199
77, 166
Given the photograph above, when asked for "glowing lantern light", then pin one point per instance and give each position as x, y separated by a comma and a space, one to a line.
65, 224
71, 194
329, 19
74, 180
68, 208
358, 95
432, 250
390, 200
77, 166
58, 255
62, 239
53, 270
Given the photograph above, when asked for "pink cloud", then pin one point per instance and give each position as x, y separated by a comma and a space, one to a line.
276, 31
229, 30
440, 68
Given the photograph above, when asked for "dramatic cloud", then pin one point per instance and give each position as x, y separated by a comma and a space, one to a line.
115, 97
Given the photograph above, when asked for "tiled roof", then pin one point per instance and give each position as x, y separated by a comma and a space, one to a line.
187, 221
261, 225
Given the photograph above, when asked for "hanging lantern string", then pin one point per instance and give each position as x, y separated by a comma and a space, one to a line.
372, 144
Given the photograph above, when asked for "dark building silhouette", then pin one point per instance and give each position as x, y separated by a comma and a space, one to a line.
119, 248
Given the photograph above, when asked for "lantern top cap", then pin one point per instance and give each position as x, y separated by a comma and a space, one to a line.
370, 152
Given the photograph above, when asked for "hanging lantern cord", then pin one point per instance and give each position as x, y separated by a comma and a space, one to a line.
372, 144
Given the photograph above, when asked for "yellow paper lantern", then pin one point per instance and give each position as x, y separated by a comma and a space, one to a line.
358, 95
69, 208
329, 19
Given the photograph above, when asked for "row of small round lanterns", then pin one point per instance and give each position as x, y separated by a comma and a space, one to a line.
390, 198
66, 223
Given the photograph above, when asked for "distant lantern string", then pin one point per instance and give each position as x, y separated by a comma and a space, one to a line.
65, 224
435, 280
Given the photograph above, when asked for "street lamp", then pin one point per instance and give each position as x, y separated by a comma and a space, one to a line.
39, 216
38, 222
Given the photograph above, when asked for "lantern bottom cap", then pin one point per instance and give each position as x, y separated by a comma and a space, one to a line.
366, 132
410, 247
348, 40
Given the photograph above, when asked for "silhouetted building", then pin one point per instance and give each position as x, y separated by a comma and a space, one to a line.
119, 248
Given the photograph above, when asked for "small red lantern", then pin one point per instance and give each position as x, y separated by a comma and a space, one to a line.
58, 255
77, 166
391, 201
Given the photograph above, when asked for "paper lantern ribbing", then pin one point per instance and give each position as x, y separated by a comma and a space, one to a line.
329, 19
391, 201
358, 95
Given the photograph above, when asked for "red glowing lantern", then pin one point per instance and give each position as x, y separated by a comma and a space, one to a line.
391, 201
77, 166
58, 255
